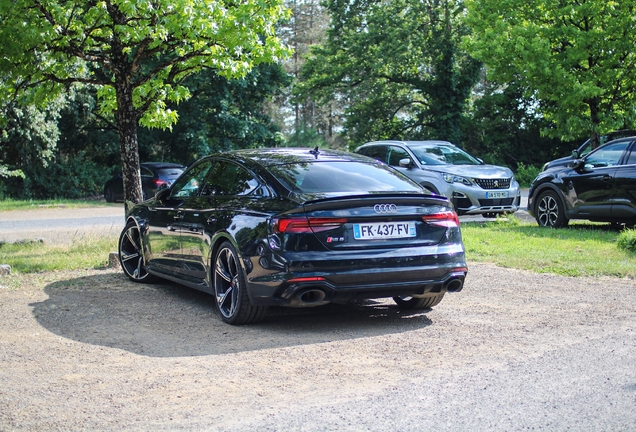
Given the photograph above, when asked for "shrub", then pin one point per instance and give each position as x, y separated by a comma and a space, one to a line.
526, 173
627, 240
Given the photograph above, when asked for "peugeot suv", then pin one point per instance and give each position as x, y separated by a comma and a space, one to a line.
445, 169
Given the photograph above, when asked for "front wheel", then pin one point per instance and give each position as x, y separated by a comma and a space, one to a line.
550, 212
131, 255
231, 291
405, 302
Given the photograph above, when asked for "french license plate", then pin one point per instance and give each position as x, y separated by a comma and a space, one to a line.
497, 194
383, 230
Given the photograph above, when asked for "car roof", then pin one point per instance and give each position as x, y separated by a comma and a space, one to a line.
425, 143
284, 155
161, 165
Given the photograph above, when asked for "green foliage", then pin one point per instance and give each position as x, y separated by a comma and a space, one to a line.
577, 58
583, 249
525, 174
137, 54
627, 240
396, 67
222, 115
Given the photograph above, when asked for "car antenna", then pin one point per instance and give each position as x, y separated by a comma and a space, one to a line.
315, 152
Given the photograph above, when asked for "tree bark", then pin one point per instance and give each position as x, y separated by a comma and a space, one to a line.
127, 124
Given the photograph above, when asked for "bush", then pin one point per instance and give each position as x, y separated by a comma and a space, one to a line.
627, 240
526, 173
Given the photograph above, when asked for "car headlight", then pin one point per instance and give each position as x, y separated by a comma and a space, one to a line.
451, 178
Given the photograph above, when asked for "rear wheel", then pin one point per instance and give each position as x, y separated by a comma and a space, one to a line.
109, 196
550, 212
230, 289
405, 302
131, 255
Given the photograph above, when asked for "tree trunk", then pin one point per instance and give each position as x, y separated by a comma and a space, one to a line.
127, 124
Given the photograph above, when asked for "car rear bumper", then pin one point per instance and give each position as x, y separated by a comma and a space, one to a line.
353, 278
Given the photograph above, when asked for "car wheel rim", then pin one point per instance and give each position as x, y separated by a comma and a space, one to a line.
130, 253
548, 211
226, 282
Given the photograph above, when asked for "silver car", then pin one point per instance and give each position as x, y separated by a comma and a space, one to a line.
442, 167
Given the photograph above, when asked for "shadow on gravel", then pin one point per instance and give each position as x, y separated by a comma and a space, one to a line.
167, 320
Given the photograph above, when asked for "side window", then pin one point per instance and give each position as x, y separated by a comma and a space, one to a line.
632, 158
396, 154
606, 156
145, 172
229, 179
376, 152
190, 183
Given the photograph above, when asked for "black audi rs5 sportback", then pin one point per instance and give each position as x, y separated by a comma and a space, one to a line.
299, 228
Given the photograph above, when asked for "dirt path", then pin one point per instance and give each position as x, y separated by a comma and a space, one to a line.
513, 350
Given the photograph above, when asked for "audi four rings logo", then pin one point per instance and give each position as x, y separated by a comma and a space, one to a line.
385, 208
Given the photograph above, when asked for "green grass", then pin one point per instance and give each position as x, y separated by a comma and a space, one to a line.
8, 205
88, 252
583, 249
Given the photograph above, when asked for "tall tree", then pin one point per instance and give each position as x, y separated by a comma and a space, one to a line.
576, 56
138, 52
396, 67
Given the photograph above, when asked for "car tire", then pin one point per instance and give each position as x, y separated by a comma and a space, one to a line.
230, 289
405, 302
109, 195
550, 211
131, 256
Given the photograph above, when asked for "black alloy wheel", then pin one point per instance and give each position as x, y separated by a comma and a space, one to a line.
550, 212
405, 302
131, 255
230, 289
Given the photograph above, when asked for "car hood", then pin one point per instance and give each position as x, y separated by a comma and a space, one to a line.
473, 171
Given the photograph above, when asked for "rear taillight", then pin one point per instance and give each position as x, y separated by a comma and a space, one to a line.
446, 219
306, 225
159, 182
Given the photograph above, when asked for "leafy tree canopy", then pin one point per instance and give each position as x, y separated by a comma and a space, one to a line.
576, 56
137, 52
396, 66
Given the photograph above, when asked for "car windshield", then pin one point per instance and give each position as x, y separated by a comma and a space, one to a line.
442, 155
348, 177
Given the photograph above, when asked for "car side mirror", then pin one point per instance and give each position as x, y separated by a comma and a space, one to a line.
575, 154
578, 164
405, 163
162, 193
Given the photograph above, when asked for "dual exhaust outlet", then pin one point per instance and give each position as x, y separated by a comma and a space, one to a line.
315, 296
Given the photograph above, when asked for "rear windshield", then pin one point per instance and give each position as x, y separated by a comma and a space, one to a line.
166, 173
358, 177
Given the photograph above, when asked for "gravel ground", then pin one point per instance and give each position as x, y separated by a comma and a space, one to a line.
513, 351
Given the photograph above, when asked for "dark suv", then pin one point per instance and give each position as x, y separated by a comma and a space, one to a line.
153, 175
598, 187
586, 147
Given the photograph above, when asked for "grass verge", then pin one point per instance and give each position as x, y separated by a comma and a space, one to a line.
582, 249
8, 205
86, 252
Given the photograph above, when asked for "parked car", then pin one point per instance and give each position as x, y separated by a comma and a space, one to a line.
472, 186
153, 176
598, 187
586, 147
297, 228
